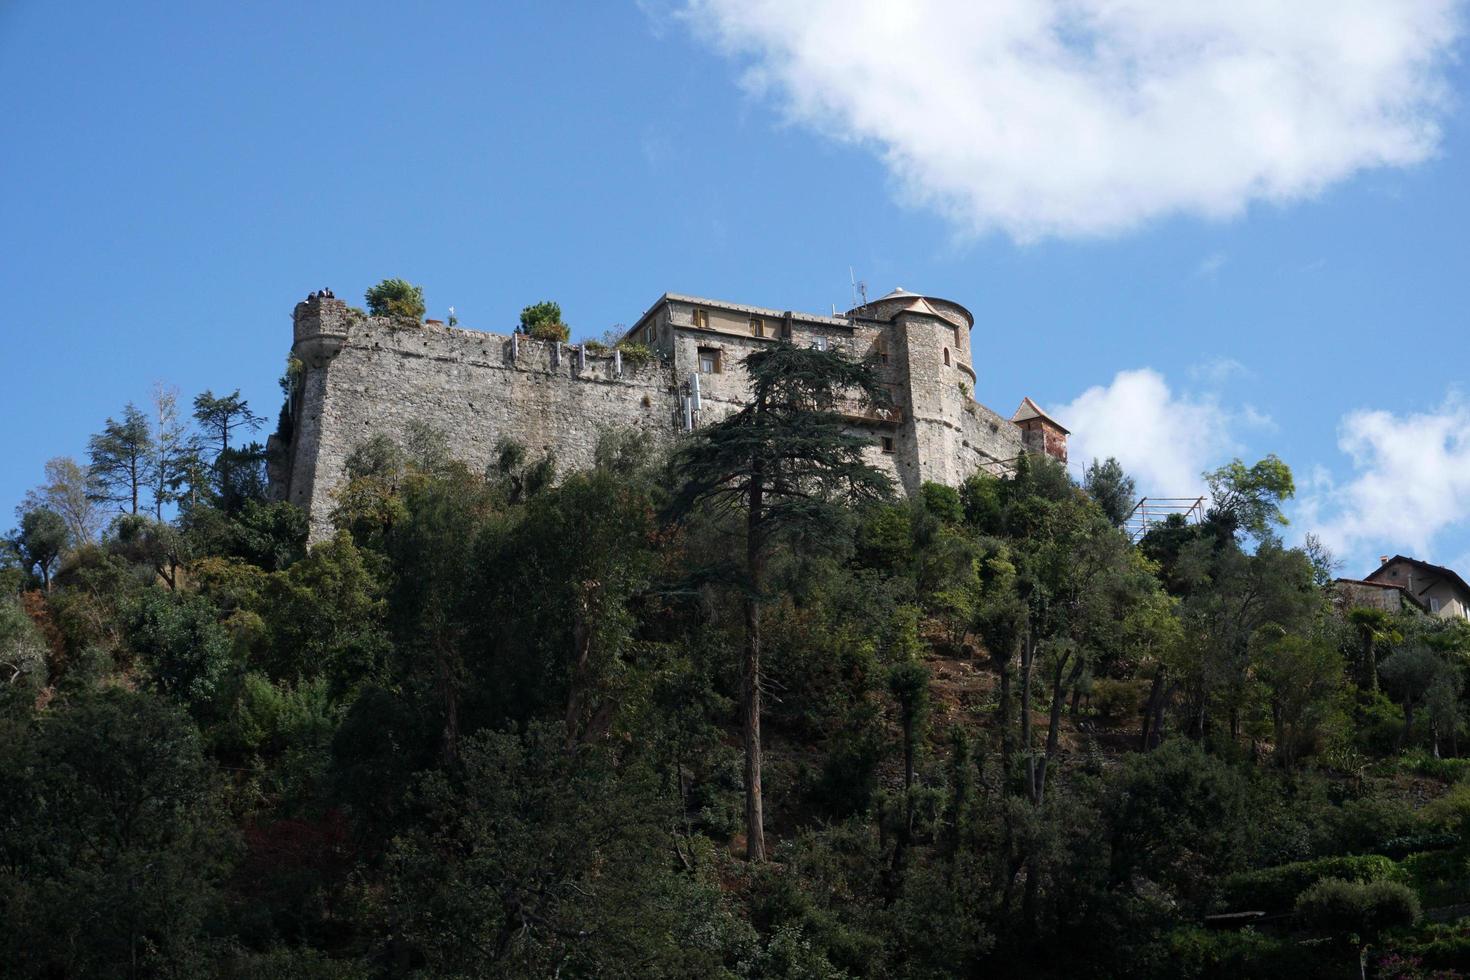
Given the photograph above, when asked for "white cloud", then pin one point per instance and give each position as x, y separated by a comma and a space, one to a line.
1087, 117
1411, 482
1210, 266
1164, 439
1218, 370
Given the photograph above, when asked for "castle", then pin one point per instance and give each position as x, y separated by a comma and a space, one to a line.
360, 375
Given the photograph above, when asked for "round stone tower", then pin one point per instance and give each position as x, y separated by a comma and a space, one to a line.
928, 340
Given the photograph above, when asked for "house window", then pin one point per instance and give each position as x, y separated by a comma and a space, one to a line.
757, 327
709, 360
946, 357
887, 442
1433, 604
701, 319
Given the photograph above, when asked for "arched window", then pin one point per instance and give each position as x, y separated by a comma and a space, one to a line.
946, 357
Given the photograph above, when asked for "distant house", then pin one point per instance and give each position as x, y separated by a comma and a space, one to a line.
1435, 589
1356, 593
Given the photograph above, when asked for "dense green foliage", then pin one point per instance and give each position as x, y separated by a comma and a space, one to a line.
543, 321
396, 297
500, 723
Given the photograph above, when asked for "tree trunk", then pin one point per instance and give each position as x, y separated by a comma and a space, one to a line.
755, 835
1155, 697
1028, 656
1003, 711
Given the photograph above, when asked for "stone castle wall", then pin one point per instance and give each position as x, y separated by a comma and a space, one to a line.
364, 376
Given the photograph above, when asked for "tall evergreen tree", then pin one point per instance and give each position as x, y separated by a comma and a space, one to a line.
120, 456
784, 463
219, 419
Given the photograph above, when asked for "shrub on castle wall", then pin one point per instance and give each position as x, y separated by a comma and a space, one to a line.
543, 321
550, 332
635, 354
396, 298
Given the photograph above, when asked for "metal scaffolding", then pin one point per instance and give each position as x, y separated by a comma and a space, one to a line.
1151, 511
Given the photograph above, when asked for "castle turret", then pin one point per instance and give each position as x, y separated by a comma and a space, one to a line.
931, 338
321, 323
1040, 432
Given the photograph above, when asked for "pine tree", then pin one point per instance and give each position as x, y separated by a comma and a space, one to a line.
120, 456
784, 463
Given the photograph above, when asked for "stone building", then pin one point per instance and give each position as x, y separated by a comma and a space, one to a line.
1438, 590
363, 375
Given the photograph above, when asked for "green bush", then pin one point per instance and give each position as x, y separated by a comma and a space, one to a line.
543, 321
1194, 953
1117, 701
1276, 889
1445, 770
396, 297
1440, 877
1400, 848
634, 353
1365, 909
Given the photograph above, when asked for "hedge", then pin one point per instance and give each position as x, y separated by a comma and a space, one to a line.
1275, 889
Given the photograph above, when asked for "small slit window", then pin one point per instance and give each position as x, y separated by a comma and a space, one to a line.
757, 327
701, 319
882, 348
887, 444
709, 360
946, 357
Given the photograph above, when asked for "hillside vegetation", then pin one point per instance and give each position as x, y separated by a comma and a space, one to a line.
741, 711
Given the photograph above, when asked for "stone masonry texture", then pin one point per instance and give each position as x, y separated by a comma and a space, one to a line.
363, 376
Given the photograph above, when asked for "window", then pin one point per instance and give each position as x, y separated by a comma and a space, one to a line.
957, 336
887, 442
882, 348
709, 360
1433, 604
946, 357
701, 319
757, 327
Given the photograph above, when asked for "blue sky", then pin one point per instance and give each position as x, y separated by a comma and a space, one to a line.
174, 177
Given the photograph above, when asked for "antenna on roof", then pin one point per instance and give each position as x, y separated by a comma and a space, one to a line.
859, 289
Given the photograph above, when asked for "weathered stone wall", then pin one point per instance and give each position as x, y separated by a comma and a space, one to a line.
368, 375
384, 375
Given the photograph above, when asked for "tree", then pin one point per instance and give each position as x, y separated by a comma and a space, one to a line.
169, 462
1302, 675
120, 457
1409, 674
1111, 488
543, 321
22, 649
1357, 912
39, 541
115, 840
908, 682
1249, 498
1376, 630
782, 463
66, 492
219, 419
396, 297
